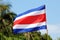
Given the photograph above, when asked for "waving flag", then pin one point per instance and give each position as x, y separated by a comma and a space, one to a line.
31, 20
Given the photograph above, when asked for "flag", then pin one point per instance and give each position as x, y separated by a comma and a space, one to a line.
31, 20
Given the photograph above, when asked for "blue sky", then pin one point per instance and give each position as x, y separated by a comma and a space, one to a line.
52, 11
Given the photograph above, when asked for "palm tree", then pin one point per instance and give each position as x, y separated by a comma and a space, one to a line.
6, 19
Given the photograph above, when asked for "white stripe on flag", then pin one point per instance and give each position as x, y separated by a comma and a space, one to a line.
25, 26
31, 14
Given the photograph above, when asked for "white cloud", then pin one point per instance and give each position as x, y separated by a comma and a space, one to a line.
53, 30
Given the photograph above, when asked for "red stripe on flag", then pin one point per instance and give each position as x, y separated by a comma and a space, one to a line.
31, 19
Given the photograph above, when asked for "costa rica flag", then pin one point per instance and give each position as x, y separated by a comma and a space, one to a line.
31, 20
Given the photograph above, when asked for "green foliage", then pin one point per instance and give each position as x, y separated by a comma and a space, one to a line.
45, 37
37, 36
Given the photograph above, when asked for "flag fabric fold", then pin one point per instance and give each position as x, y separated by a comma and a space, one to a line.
31, 20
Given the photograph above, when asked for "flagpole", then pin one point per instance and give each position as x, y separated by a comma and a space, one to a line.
47, 34
46, 23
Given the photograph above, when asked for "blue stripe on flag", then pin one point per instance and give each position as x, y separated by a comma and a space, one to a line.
36, 9
15, 31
